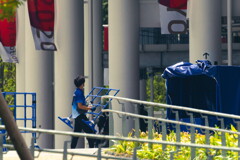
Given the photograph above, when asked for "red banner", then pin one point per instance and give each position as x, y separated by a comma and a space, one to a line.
173, 18
8, 40
42, 16
105, 35
177, 4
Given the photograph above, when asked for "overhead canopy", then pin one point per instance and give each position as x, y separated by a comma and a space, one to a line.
204, 86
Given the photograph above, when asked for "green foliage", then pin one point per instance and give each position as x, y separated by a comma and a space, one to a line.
8, 8
159, 89
7, 77
125, 148
8, 80
105, 11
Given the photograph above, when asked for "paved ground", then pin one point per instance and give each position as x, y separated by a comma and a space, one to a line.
12, 155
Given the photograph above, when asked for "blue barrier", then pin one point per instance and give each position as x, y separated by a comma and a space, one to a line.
94, 97
21, 101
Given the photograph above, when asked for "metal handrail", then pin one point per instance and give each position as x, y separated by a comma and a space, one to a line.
172, 121
163, 142
68, 133
174, 107
70, 153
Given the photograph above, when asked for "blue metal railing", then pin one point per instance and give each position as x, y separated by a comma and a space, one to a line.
21, 102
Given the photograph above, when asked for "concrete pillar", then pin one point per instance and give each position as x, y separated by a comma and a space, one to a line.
93, 69
229, 31
124, 55
97, 44
34, 73
68, 60
21, 66
93, 45
90, 45
86, 47
205, 31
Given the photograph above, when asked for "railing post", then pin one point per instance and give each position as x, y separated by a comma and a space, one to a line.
192, 132
207, 134
193, 149
163, 129
150, 125
65, 152
135, 153
32, 146
137, 131
136, 122
224, 152
178, 136
34, 119
164, 134
99, 156
111, 127
1, 145
124, 121
238, 129
150, 109
178, 131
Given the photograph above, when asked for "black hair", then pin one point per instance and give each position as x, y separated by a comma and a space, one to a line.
79, 80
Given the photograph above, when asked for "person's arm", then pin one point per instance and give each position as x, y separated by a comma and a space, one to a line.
83, 107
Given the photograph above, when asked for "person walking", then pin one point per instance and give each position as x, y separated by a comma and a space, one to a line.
79, 110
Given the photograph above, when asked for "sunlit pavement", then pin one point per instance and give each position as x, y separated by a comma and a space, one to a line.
12, 155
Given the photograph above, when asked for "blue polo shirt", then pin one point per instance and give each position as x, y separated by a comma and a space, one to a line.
78, 97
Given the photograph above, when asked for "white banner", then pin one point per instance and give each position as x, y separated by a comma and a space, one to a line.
44, 40
8, 54
172, 20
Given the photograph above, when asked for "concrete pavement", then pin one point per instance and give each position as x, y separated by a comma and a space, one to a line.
12, 155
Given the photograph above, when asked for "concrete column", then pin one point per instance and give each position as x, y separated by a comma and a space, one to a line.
229, 31
124, 55
205, 31
90, 46
93, 69
86, 46
34, 73
21, 66
68, 60
97, 44
93, 45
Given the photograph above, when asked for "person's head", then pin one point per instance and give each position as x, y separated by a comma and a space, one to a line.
79, 81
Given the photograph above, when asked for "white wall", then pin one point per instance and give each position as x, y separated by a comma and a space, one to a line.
235, 7
149, 14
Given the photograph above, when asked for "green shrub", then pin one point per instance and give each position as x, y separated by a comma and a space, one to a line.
125, 148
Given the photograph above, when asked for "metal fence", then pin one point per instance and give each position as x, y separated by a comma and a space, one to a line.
164, 122
187, 119
23, 107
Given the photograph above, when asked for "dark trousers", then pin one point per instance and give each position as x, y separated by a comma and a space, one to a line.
78, 127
